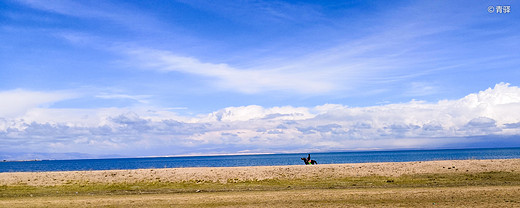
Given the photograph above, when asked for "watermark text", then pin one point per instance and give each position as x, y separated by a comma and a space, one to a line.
499, 9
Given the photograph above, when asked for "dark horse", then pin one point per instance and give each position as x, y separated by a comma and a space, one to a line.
308, 160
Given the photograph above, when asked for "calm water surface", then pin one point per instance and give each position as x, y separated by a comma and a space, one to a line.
259, 160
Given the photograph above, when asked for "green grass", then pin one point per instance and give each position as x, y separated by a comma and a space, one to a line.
158, 187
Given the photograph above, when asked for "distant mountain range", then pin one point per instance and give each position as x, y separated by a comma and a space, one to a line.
51, 156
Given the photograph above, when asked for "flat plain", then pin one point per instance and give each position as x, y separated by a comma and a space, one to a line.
459, 183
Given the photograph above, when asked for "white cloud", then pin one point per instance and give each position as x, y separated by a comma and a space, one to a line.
105, 11
231, 78
255, 112
385, 57
17, 102
259, 12
381, 56
421, 89
492, 113
137, 98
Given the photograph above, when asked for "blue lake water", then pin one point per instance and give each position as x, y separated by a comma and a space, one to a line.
259, 160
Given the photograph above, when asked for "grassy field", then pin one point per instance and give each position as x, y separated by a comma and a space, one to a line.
450, 189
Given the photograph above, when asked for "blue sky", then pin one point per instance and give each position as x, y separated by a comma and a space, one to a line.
140, 78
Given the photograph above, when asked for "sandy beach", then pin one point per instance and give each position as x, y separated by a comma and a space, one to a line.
450, 183
225, 174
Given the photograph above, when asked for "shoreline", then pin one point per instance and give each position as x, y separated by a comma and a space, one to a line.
258, 173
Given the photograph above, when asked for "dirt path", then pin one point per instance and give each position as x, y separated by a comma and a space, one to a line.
495, 196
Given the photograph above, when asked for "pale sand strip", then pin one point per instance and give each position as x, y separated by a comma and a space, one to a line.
224, 174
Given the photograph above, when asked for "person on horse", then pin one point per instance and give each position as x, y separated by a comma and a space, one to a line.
308, 160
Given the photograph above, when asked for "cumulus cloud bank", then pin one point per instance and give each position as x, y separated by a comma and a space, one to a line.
487, 118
